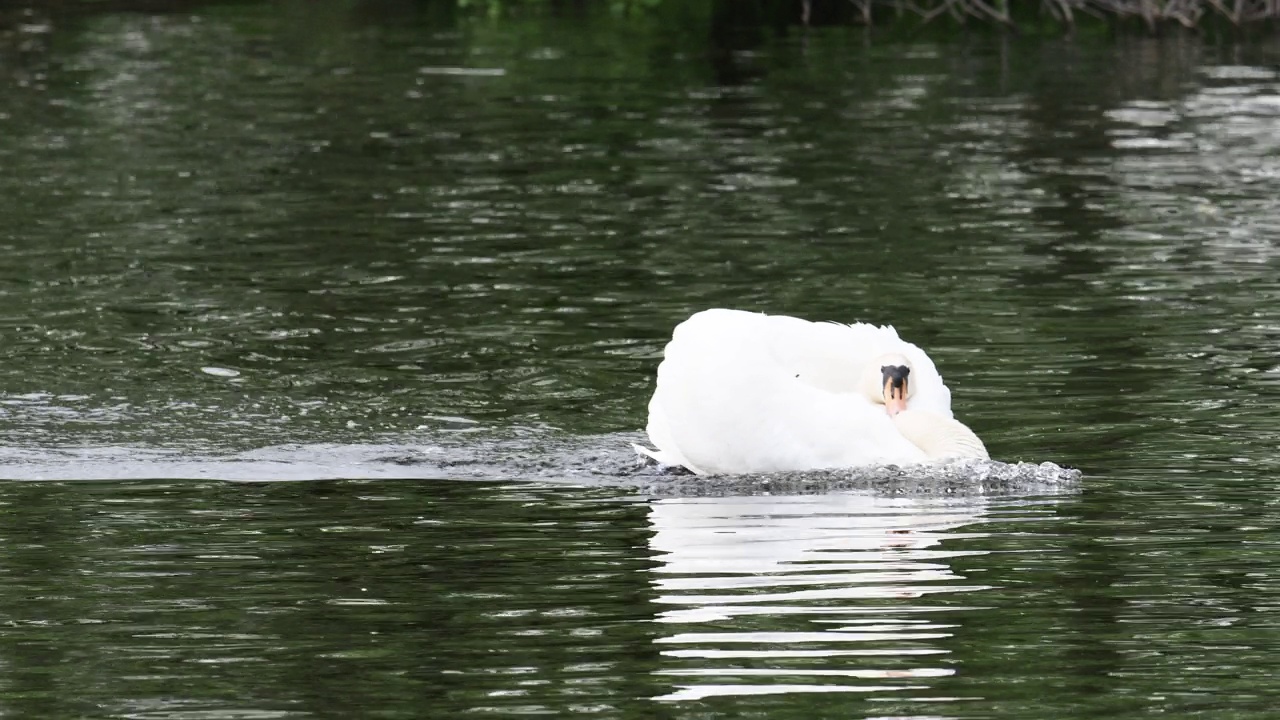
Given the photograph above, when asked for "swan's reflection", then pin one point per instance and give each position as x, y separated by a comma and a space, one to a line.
828, 593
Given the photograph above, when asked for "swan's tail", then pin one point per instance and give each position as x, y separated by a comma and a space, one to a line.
656, 455
663, 458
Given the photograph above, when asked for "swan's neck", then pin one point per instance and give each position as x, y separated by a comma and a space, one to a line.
938, 436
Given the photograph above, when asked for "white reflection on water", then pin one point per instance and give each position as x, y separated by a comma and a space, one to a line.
762, 592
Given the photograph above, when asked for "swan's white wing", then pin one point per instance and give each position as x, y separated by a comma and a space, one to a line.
745, 392
740, 422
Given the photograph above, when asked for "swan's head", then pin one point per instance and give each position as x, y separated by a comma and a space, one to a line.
887, 382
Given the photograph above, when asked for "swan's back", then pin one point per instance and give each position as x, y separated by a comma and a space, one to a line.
747, 392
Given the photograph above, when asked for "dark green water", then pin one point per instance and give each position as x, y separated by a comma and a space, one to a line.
427, 267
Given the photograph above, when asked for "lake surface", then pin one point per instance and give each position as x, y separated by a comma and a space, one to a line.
325, 330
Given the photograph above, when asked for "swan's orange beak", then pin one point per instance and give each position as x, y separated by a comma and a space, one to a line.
895, 405
895, 388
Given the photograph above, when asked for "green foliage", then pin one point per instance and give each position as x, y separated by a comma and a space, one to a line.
1150, 14
499, 8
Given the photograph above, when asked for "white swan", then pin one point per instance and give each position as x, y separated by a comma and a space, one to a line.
742, 392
